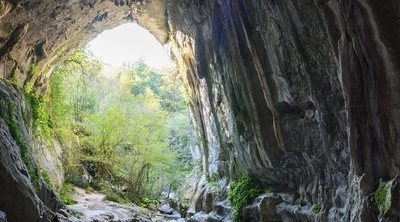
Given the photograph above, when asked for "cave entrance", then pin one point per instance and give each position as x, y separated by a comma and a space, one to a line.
118, 107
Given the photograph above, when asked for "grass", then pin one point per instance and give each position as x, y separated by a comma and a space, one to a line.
242, 192
382, 198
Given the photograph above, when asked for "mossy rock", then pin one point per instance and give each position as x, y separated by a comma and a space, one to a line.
382, 197
316, 208
242, 192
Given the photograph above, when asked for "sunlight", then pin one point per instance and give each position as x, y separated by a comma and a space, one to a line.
127, 44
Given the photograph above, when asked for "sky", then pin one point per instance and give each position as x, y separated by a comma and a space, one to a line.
128, 43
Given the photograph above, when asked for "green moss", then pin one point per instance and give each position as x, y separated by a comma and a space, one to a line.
382, 198
25, 118
41, 118
34, 69
65, 192
316, 208
242, 192
46, 178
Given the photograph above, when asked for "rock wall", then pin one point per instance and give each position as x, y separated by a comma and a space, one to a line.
23, 194
301, 95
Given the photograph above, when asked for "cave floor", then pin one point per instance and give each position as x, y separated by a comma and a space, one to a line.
91, 207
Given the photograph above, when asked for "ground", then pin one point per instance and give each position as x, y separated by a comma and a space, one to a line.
92, 206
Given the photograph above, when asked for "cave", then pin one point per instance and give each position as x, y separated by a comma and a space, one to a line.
301, 96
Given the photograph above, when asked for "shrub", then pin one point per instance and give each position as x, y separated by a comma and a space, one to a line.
96, 184
242, 192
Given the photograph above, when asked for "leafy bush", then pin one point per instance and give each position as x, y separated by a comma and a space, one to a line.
242, 192
96, 184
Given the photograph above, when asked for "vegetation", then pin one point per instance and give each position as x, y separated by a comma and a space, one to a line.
316, 208
125, 130
46, 178
242, 192
382, 198
41, 118
33, 71
64, 192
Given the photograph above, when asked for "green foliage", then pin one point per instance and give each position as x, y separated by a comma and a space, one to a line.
169, 91
41, 118
34, 69
316, 208
382, 198
128, 130
95, 184
65, 193
242, 192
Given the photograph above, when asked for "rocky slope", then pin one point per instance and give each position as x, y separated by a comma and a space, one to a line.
301, 95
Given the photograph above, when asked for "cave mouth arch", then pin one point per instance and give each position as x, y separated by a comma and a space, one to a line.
64, 27
135, 127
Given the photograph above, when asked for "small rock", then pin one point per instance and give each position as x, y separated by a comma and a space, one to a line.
165, 209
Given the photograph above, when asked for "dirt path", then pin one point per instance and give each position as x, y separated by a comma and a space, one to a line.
93, 207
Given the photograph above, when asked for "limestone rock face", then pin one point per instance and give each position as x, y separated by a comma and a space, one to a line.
303, 96
23, 195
